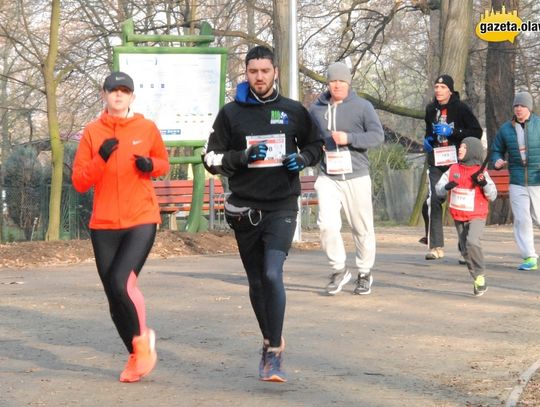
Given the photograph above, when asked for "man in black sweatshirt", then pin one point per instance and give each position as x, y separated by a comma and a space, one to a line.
448, 122
261, 141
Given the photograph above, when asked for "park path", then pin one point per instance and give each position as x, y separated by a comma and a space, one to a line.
420, 339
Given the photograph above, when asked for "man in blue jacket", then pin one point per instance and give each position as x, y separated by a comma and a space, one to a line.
519, 139
349, 126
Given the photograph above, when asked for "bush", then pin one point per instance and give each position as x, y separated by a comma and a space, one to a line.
24, 178
391, 156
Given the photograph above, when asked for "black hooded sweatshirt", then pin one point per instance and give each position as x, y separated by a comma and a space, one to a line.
269, 188
459, 116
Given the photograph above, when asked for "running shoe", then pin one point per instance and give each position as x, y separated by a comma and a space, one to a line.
479, 286
363, 284
263, 360
143, 359
435, 253
337, 281
530, 263
272, 371
130, 373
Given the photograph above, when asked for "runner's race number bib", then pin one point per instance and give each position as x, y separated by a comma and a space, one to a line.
338, 162
276, 150
462, 199
445, 156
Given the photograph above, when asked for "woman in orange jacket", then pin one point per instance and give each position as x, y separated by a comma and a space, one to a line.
118, 154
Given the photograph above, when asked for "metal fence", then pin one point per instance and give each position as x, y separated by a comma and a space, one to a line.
25, 213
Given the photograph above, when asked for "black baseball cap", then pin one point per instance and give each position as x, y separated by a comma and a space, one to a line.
116, 80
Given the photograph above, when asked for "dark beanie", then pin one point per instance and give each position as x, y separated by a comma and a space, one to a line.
447, 80
475, 151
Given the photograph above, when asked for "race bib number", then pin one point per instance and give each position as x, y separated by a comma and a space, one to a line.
338, 162
276, 150
462, 199
445, 156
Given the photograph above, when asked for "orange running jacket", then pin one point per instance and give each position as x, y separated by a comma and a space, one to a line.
123, 195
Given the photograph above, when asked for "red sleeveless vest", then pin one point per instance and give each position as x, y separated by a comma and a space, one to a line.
462, 175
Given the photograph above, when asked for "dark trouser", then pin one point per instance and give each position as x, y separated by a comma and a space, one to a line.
469, 234
120, 256
425, 215
263, 243
436, 234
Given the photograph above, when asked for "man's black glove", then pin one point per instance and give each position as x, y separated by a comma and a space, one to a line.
256, 152
107, 148
479, 179
450, 185
144, 164
295, 162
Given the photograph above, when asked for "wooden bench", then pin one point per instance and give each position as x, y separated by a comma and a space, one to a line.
175, 196
501, 178
308, 200
307, 186
500, 212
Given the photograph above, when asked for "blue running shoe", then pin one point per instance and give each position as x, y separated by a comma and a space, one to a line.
262, 363
530, 263
272, 371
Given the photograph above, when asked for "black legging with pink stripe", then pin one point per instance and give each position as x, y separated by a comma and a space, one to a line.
120, 256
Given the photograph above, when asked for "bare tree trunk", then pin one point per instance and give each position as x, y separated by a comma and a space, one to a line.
473, 97
456, 26
434, 51
500, 67
250, 10
6, 146
53, 230
454, 33
499, 85
281, 42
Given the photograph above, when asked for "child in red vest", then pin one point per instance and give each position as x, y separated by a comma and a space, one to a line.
469, 190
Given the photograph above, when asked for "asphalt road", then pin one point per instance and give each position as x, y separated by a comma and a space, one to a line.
420, 339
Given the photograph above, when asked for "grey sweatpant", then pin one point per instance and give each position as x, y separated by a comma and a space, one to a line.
354, 197
525, 202
469, 235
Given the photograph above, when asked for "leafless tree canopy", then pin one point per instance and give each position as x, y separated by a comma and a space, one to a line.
392, 47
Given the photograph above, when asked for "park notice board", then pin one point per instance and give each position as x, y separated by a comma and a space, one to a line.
180, 89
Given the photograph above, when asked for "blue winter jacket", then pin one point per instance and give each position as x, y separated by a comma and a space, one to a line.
524, 174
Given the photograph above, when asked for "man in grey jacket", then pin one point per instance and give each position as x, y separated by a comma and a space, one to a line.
349, 126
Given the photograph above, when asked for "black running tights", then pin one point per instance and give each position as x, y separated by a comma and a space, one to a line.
263, 249
120, 256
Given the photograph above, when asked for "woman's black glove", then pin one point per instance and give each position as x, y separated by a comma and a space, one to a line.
144, 164
107, 148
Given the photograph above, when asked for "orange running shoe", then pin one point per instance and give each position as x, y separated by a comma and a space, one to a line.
129, 374
143, 359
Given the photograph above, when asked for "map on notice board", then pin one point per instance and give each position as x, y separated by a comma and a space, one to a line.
179, 92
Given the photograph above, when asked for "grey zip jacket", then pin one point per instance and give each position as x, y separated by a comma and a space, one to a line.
356, 117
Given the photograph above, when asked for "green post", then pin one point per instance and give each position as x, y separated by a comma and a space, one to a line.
196, 221
127, 29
